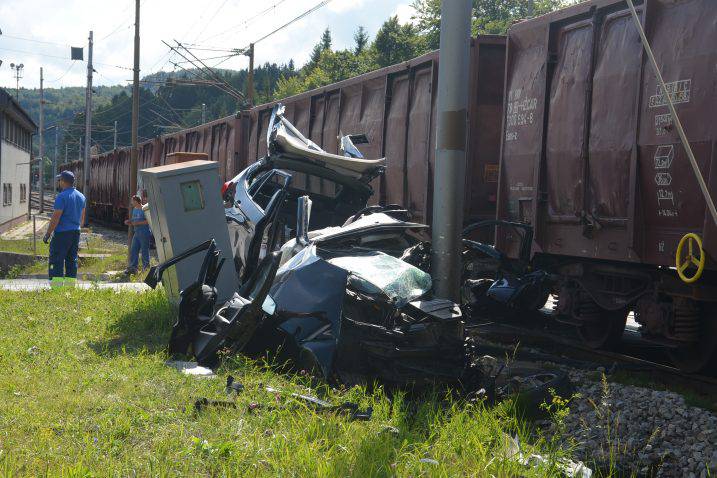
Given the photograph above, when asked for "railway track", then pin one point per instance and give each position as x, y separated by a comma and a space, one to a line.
559, 342
49, 201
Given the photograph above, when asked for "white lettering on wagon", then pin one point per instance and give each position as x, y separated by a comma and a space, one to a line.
520, 111
663, 123
678, 91
664, 156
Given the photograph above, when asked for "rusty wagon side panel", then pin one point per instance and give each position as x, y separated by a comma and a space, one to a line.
589, 154
219, 139
395, 108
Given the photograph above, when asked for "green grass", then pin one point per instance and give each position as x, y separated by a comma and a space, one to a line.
23, 246
89, 265
116, 260
92, 245
85, 392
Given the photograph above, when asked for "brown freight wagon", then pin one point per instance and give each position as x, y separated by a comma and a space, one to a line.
218, 139
591, 159
395, 108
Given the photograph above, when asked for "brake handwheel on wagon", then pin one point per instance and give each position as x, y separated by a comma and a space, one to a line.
690, 263
695, 322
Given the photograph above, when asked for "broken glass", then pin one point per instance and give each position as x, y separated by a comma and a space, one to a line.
380, 273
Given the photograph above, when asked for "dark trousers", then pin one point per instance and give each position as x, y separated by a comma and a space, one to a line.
63, 252
140, 243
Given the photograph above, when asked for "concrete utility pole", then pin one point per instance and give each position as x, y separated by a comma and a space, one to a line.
452, 125
54, 161
66, 145
114, 143
41, 172
79, 149
134, 153
29, 183
88, 126
204, 113
250, 77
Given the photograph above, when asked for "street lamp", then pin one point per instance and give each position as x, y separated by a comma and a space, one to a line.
18, 75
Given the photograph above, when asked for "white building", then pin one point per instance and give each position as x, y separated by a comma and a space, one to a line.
16, 130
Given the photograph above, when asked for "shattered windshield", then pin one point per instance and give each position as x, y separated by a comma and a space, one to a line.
379, 272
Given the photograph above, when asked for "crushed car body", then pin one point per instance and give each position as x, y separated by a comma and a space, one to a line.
336, 300
261, 201
329, 285
338, 310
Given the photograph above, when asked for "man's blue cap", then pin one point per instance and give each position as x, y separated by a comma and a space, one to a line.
67, 176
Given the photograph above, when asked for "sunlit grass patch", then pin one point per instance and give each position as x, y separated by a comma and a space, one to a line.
85, 392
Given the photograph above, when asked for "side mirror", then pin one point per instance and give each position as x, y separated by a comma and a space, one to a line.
303, 216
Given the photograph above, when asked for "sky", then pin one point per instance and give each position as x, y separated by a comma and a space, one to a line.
39, 33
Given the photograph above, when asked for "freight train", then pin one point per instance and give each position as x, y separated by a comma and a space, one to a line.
592, 160
569, 133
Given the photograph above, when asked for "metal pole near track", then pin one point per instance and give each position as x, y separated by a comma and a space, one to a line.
87, 169
134, 152
41, 164
675, 119
451, 129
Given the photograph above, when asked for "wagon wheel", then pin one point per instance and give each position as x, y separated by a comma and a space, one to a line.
605, 332
700, 357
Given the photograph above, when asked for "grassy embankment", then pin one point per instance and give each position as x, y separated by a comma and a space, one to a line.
85, 392
115, 260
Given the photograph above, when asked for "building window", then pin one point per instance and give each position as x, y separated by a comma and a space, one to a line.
16, 134
6, 194
23, 192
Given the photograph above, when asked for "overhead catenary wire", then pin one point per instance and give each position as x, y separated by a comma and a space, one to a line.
210, 58
296, 19
169, 121
248, 20
285, 25
63, 75
194, 73
209, 70
171, 108
210, 20
35, 40
122, 25
225, 86
60, 57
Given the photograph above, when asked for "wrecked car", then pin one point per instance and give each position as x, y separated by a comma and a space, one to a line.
334, 307
348, 299
260, 202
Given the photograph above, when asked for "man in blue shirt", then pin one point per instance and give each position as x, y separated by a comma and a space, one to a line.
68, 217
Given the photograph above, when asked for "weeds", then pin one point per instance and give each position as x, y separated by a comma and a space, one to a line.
94, 397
